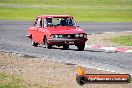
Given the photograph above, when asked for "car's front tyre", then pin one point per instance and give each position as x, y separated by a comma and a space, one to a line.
65, 47
46, 44
81, 47
34, 43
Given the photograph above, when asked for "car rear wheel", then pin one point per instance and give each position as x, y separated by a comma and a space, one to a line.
34, 43
46, 44
81, 47
65, 47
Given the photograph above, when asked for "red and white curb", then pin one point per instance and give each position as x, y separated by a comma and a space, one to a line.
115, 49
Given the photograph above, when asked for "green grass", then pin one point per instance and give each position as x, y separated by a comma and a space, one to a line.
11, 81
8, 81
123, 40
69, 2
82, 10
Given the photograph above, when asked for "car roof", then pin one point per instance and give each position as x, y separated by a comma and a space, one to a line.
54, 16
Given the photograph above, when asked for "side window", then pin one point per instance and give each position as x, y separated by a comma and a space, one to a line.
38, 22
45, 23
48, 22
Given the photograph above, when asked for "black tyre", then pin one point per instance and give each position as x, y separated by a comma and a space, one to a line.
81, 80
81, 47
34, 43
65, 47
46, 44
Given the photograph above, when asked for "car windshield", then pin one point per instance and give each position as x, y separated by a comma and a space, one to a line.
60, 22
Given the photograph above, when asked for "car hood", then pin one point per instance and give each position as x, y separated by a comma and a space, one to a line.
65, 30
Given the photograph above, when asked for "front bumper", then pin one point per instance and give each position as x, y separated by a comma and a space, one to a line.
61, 41
67, 40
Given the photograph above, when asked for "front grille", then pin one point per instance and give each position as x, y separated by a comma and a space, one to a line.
69, 36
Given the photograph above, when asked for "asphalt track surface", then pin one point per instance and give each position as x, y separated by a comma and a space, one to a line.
13, 39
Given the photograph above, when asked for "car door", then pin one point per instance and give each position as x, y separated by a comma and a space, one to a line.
38, 26
42, 31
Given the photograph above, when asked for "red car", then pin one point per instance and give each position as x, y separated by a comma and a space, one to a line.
59, 30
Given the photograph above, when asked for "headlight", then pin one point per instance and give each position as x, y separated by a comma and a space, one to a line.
69, 36
85, 35
77, 35
60, 36
81, 35
56, 36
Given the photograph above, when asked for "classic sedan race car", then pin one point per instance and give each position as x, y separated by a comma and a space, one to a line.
59, 30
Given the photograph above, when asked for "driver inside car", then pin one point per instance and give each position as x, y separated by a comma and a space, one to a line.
49, 22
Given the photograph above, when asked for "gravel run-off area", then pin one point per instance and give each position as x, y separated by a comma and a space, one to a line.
48, 74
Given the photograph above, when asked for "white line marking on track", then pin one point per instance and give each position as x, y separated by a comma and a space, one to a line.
128, 51
108, 48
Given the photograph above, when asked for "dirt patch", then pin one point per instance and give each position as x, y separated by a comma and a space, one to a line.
102, 39
41, 73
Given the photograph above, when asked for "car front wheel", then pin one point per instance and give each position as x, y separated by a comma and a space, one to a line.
34, 43
65, 47
81, 47
46, 44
